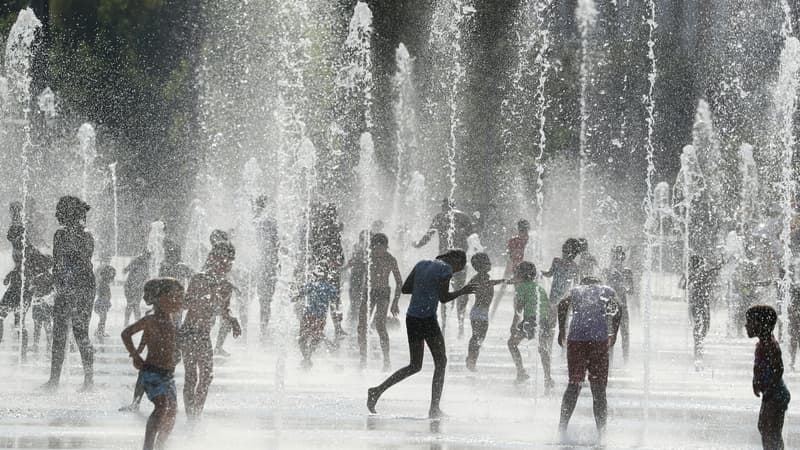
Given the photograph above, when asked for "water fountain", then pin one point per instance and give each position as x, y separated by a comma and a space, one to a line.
586, 13
88, 153
155, 245
113, 171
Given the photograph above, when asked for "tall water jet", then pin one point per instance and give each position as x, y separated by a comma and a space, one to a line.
359, 71
113, 170
747, 210
450, 19
88, 152
18, 66
663, 209
586, 14
689, 186
47, 103
649, 210
197, 235
705, 225
785, 104
406, 130
155, 245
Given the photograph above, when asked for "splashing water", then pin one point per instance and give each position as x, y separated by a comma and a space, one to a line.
155, 245
88, 152
586, 13
113, 170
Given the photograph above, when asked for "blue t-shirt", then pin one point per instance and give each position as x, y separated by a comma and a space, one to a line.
588, 303
428, 276
319, 295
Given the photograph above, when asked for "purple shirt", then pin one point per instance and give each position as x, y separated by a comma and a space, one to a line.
588, 304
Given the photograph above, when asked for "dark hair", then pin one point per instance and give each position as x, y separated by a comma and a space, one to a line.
763, 316
480, 260
217, 237
157, 287
526, 271
378, 239
571, 247
455, 255
523, 223
71, 210
590, 280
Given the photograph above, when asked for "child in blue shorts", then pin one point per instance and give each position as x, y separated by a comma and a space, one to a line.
159, 335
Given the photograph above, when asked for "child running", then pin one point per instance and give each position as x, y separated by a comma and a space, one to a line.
429, 284
479, 315
528, 296
768, 376
159, 336
381, 265
208, 292
319, 293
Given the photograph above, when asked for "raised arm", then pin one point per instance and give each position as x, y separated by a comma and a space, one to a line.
226, 291
446, 296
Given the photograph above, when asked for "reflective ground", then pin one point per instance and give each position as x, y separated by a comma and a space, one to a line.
324, 407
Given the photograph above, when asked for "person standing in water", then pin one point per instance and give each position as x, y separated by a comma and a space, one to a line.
429, 284
479, 315
73, 248
516, 254
589, 339
453, 228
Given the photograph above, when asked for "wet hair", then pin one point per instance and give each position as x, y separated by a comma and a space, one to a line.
763, 317
71, 210
217, 237
523, 224
525, 271
378, 240
570, 247
590, 280
455, 255
158, 287
480, 260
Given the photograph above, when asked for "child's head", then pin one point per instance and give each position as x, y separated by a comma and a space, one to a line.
456, 258
378, 241
525, 271
481, 262
217, 237
761, 320
570, 248
71, 211
523, 226
166, 294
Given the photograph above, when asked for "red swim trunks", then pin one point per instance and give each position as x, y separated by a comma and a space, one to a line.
587, 355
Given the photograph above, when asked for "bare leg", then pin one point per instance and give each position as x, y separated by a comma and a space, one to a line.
439, 353
568, 403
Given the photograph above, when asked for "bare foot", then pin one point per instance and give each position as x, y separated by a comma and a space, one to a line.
436, 413
372, 399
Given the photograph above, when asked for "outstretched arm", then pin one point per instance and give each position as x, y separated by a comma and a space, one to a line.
226, 292
446, 296
615, 320
425, 239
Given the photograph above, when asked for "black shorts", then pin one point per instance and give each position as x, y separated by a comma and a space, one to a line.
421, 329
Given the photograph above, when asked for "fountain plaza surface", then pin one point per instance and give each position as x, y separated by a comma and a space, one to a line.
325, 406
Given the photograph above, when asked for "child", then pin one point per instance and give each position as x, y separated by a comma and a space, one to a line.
701, 284
516, 254
73, 275
528, 296
208, 292
138, 271
159, 335
102, 304
768, 375
479, 315
381, 264
620, 278
319, 293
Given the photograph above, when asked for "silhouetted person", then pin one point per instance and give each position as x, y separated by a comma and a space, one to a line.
209, 291
531, 305
768, 376
700, 285
138, 271
515, 250
378, 294
620, 278
589, 339
479, 315
325, 253
587, 263
173, 266
357, 264
453, 228
102, 304
268, 266
429, 284
73, 247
